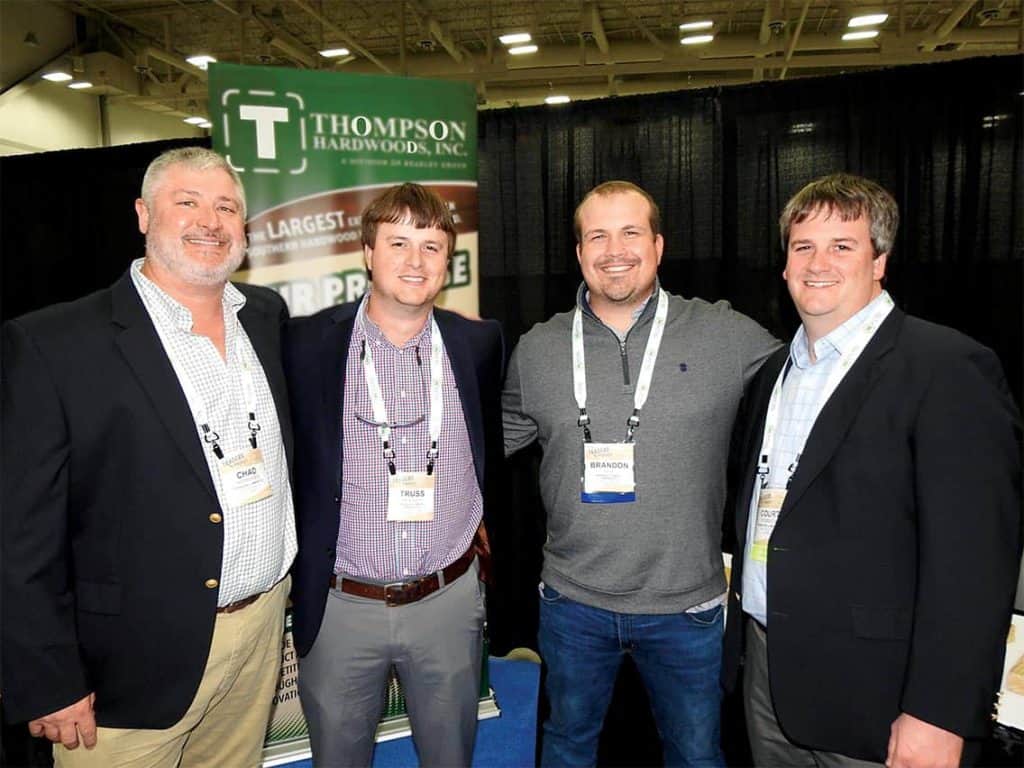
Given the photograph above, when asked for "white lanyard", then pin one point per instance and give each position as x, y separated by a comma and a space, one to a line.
380, 413
198, 405
643, 383
862, 336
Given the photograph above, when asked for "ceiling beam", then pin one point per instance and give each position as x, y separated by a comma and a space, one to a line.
943, 30
285, 42
795, 38
342, 35
592, 23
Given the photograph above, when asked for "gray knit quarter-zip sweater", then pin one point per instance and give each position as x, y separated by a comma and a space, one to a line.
661, 553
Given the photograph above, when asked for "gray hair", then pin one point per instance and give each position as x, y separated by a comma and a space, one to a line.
850, 197
196, 158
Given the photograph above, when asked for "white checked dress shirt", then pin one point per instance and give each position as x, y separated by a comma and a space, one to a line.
259, 538
369, 547
801, 403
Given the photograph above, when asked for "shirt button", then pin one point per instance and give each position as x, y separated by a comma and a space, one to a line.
402, 393
404, 441
405, 571
211, 583
405, 534
216, 517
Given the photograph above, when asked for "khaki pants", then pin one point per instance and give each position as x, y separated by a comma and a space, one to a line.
225, 725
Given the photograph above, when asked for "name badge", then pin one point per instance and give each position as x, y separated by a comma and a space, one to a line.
769, 503
608, 473
410, 497
244, 478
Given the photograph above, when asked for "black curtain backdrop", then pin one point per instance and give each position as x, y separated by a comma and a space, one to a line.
945, 139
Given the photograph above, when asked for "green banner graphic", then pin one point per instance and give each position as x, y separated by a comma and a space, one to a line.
314, 148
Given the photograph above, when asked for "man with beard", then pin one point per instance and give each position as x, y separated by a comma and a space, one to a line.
632, 397
147, 516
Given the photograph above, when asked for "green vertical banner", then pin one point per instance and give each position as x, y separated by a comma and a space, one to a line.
314, 148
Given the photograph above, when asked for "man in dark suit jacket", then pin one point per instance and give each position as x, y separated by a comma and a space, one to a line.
878, 513
143, 581
397, 415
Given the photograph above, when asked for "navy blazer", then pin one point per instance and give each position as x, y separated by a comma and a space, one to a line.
316, 352
893, 564
107, 498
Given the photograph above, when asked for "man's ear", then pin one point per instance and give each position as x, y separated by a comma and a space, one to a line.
143, 213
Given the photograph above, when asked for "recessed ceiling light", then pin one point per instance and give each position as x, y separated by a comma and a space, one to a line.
868, 20
696, 39
57, 77
80, 85
865, 34
521, 50
690, 26
559, 99
515, 38
202, 60
333, 53
195, 120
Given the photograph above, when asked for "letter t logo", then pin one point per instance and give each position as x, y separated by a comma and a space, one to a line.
264, 117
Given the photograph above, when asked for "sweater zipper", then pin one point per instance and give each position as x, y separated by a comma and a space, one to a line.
625, 362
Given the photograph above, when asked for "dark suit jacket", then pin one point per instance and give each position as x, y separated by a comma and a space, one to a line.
107, 537
893, 565
316, 351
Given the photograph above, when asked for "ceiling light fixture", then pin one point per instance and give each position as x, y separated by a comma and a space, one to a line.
521, 50
195, 120
202, 60
696, 24
205, 124
696, 39
515, 38
865, 34
57, 77
334, 53
868, 20
80, 85
557, 99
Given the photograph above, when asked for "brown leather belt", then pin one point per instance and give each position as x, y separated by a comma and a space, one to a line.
409, 591
240, 604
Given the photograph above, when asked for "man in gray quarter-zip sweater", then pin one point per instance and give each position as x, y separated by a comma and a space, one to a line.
633, 480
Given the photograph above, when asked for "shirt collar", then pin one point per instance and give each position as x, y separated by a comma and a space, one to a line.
583, 298
173, 312
837, 342
373, 334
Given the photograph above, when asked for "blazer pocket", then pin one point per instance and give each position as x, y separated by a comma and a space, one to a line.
97, 597
881, 623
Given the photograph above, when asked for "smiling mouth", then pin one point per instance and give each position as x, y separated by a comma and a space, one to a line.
414, 279
616, 269
820, 283
208, 242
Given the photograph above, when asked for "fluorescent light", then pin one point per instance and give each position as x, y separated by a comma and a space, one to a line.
57, 77
205, 124
690, 26
868, 20
80, 85
202, 60
801, 128
865, 34
195, 120
696, 39
333, 53
521, 50
560, 99
516, 38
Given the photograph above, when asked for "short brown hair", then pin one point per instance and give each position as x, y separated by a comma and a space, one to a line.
849, 197
408, 204
619, 188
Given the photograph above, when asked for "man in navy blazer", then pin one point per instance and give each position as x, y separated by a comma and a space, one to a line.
878, 513
396, 405
143, 590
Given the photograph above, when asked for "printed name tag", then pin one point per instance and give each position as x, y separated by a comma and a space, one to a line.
244, 478
410, 497
769, 503
608, 473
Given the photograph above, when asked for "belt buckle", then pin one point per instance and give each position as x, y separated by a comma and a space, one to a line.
393, 593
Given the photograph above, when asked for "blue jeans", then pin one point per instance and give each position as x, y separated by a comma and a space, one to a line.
679, 656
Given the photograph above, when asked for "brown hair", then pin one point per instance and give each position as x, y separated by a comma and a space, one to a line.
408, 204
849, 197
619, 188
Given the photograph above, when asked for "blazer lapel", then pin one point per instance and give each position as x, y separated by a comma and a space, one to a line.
335, 341
460, 356
143, 351
841, 409
263, 330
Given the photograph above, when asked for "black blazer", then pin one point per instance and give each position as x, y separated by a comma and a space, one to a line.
893, 565
316, 351
107, 537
